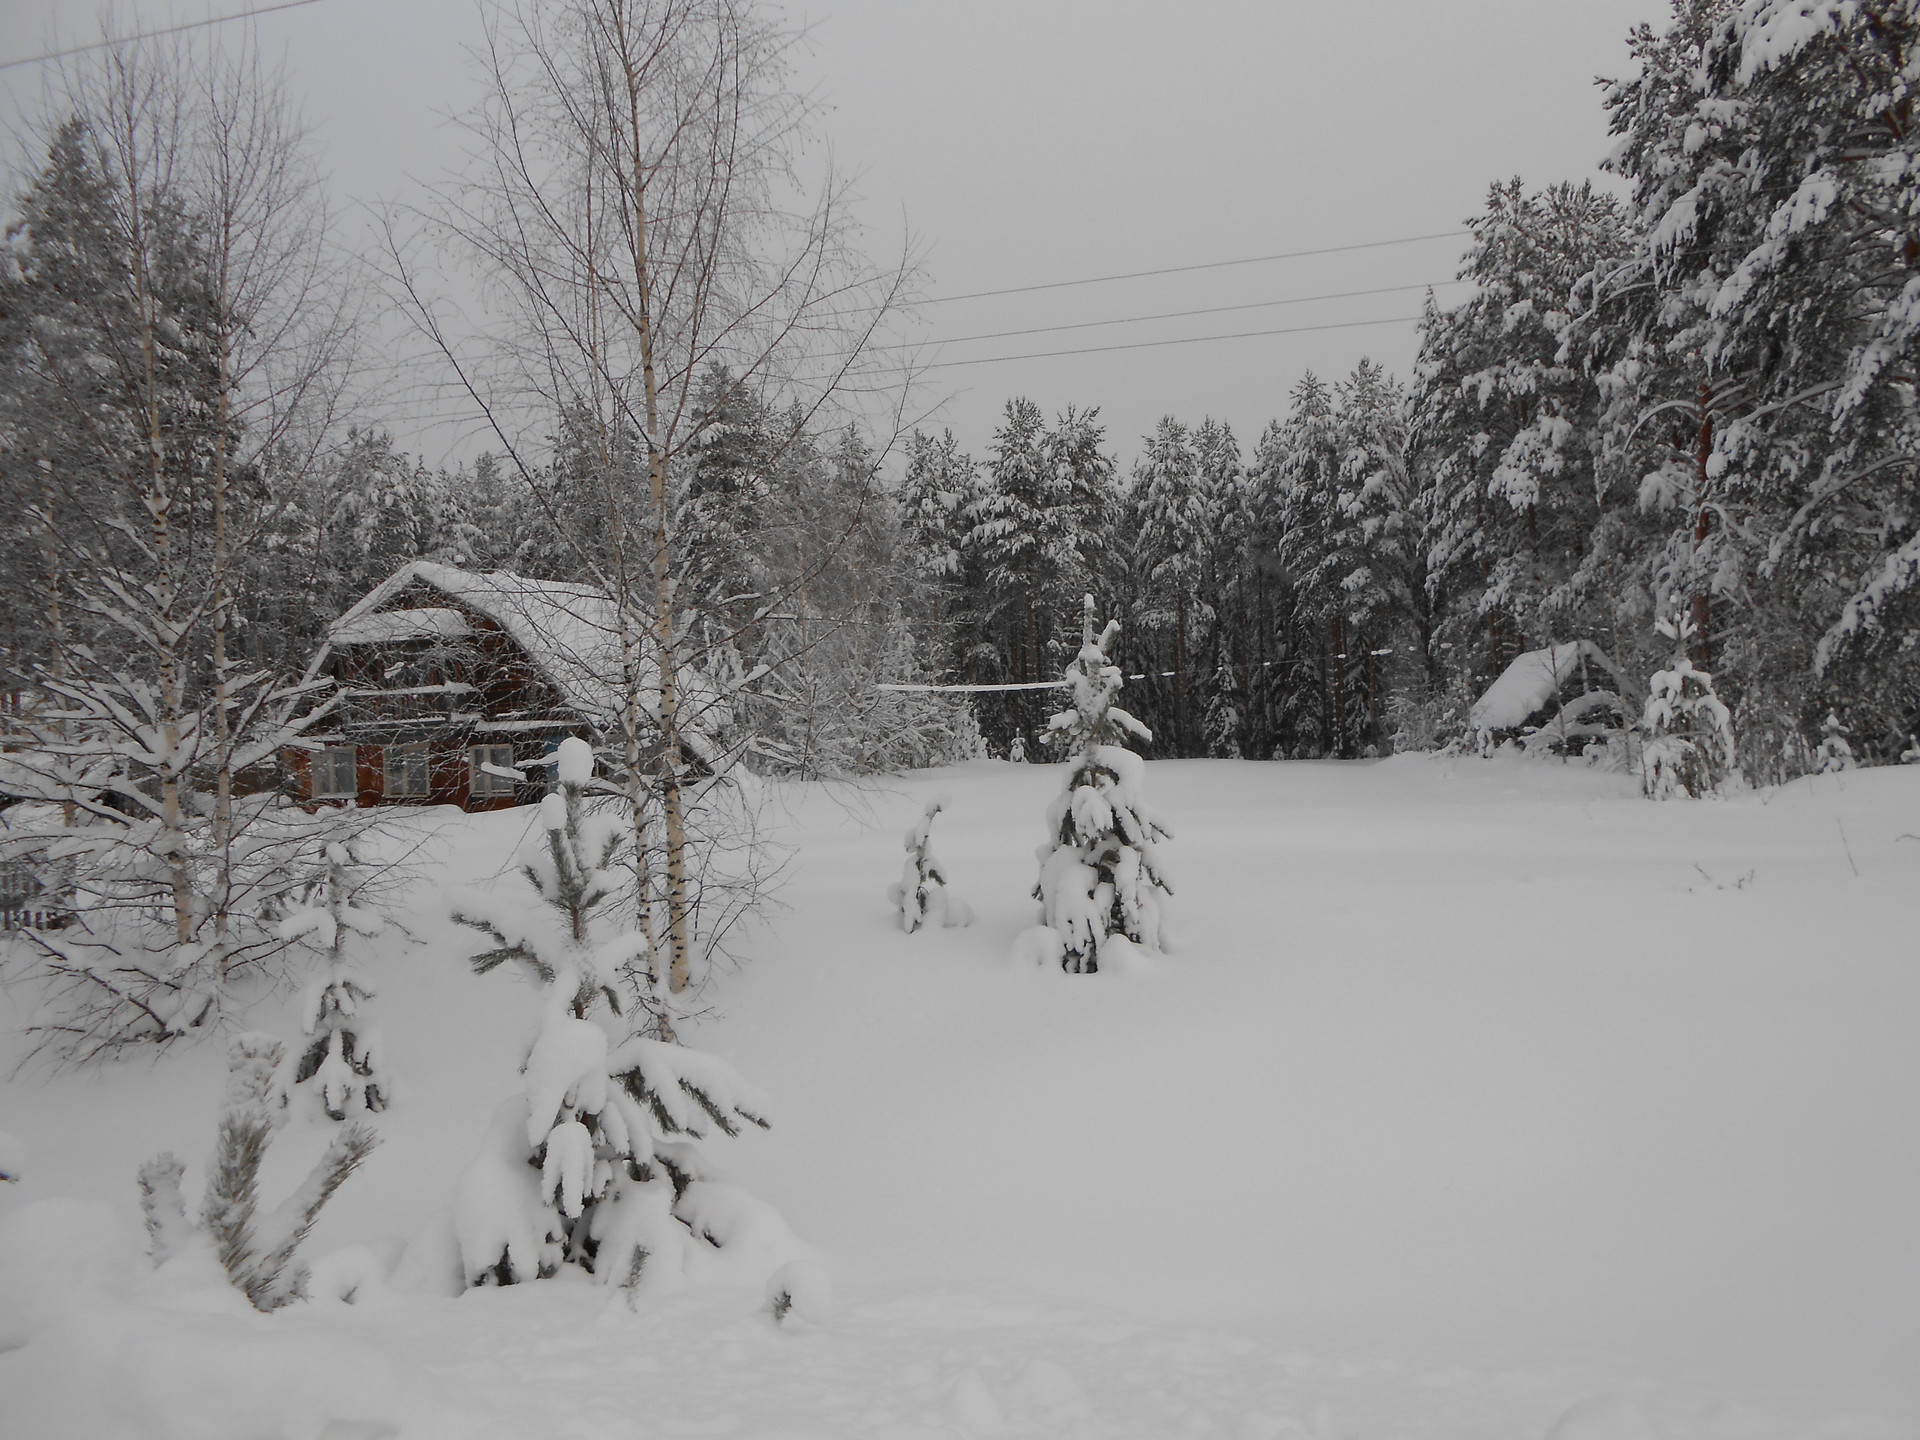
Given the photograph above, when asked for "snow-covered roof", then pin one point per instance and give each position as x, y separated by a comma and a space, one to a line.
1531, 681
389, 625
571, 632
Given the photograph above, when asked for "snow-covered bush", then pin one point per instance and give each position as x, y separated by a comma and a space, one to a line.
1687, 732
1100, 872
594, 1163
342, 1065
131, 962
1560, 700
256, 1251
921, 894
1836, 751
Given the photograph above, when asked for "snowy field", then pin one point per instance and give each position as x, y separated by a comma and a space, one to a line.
1473, 1099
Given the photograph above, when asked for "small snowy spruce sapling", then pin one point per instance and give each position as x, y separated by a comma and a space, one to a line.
921, 893
342, 1063
1836, 751
1687, 746
1100, 871
255, 1250
593, 1163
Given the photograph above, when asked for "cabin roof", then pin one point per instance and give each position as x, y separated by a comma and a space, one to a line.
569, 631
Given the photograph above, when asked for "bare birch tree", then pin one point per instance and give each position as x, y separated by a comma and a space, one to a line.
639, 219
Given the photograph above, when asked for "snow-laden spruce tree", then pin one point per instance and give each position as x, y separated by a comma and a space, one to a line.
1687, 740
594, 1163
255, 1250
342, 1065
1100, 874
921, 893
1836, 750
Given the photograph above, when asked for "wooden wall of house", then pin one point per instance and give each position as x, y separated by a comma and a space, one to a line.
506, 684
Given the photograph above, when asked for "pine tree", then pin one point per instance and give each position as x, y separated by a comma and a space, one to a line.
256, 1251
1171, 523
343, 1064
1687, 732
593, 1164
1836, 750
1310, 550
1101, 882
921, 895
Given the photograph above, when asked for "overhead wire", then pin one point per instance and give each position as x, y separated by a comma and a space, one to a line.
153, 34
1170, 315
1187, 340
1208, 265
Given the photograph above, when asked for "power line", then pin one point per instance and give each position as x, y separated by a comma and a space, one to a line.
1172, 315
1209, 265
152, 34
1189, 340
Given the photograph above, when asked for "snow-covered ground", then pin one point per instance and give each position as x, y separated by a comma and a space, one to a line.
1474, 1099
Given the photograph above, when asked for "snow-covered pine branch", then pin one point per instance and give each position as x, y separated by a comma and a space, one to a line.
1101, 878
594, 1164
257, 1252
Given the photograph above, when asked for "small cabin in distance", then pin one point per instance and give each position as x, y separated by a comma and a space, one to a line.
451, 683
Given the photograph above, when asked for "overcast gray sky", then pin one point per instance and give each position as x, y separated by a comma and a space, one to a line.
1027, 143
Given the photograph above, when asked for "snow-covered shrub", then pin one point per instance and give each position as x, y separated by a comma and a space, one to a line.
342, 1064
131, 963
256, 1251
594, 1164
1911, 755
1100, 872
921, 894
1687, 733
1836, 751
1560, 700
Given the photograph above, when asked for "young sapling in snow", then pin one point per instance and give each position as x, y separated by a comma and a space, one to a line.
1836, 751
342, 1063
1100, 870
256, 1251
1687, 748
593, 1163
921, 893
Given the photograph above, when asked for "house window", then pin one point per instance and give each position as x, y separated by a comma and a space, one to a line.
484, 782
407, 772
336, 773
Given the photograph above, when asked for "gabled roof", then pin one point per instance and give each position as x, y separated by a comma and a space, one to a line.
570, 632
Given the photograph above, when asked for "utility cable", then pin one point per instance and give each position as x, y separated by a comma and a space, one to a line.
1170, 315
1209, 265
152, 34
1189, 340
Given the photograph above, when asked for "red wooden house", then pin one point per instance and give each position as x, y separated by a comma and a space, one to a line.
450, 683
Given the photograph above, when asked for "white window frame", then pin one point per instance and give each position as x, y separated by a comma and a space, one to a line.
323, 772
404, 764
482, 785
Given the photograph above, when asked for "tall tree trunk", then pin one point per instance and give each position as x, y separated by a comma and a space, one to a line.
158, 502
671, 803
1702, 649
